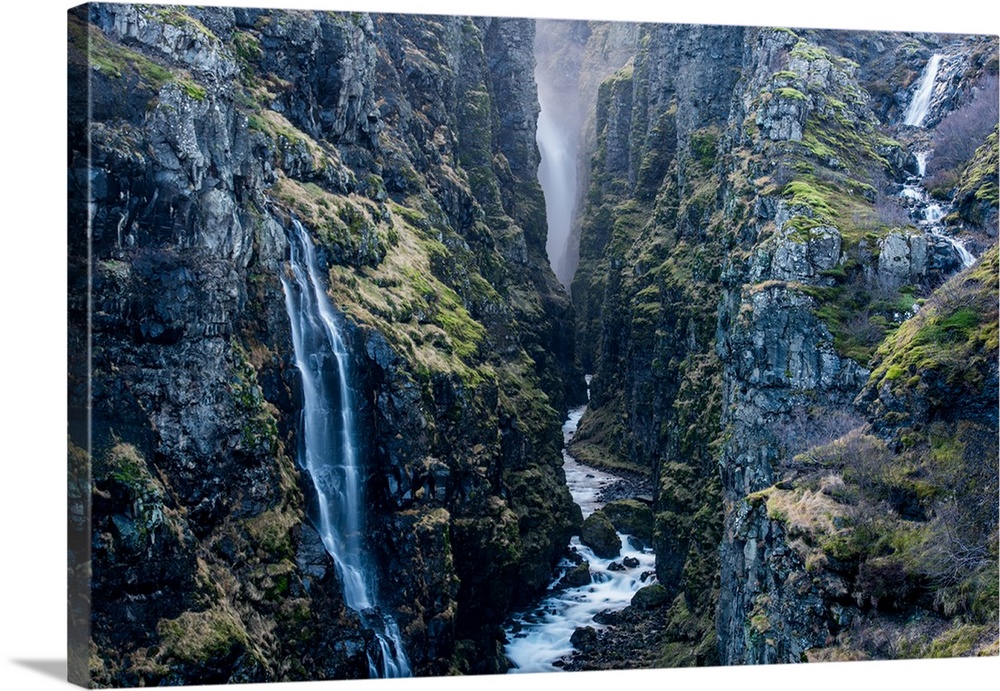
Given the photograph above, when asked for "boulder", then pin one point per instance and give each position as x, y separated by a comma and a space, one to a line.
599, 534
631, 517
576, 577
650, 597
584, 637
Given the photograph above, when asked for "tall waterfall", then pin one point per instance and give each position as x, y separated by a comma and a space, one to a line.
329, 449
558, 146
917, 110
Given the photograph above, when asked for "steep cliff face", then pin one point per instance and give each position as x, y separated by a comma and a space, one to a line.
646, 294
212, 129
740, 266
827, 277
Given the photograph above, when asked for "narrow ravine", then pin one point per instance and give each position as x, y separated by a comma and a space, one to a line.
539, 638
329, 450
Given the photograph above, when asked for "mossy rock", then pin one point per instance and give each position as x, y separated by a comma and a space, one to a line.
651, 597
631, 517
212, 637
576, 577
599, 534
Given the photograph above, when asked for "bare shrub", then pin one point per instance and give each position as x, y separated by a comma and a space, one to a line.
890, 213
961, 132
806, 428
965, 518
955, 550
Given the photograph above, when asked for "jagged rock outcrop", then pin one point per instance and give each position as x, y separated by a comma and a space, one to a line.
211, 131
746, 271
793, 361
775, 216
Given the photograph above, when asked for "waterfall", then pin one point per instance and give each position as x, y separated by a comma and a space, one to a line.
929, 214
917, 110
558, 146
328, 449
968, 259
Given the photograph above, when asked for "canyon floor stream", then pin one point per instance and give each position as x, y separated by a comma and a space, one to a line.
539, 638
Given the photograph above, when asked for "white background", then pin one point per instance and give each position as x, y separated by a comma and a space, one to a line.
32, 337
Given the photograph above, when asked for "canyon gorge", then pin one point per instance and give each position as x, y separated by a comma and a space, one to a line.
394, 338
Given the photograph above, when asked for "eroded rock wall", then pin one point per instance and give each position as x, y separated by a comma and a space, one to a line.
405, 145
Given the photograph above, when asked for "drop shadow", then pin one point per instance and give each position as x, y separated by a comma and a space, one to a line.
50, 668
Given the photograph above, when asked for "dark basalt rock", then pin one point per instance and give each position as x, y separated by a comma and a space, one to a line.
584, 638
630, 516
576, 577
650, 597
598, 534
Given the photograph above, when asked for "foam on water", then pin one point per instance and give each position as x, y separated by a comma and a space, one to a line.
541, 636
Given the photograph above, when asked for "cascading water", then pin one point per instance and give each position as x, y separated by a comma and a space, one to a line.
539, 638
917, 110
328, 448
558, 146
927, 213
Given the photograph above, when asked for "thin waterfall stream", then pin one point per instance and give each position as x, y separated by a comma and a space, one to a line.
928, 213
329, 449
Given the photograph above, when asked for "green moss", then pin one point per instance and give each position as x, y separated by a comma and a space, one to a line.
804, 50
954, 334
118, 62
270, 533
247, 47
192, 89
177, 17
803, 193
790, 93
203, 637
958, 641
124, 464
259, 432
703, 147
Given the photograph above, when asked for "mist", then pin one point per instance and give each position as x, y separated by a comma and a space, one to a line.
558, 49
572, 58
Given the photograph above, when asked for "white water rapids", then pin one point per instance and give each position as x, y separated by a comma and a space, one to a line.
540, 637
329, 449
